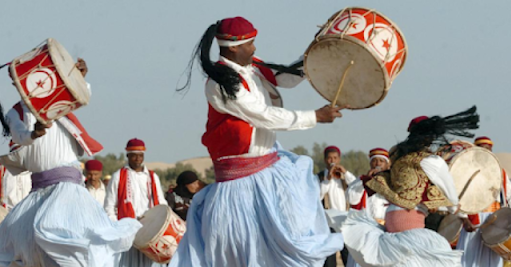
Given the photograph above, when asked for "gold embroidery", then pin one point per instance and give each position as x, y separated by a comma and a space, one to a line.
407, 185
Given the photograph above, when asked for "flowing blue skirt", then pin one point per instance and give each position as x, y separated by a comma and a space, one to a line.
63, 225
135, 258
271, 218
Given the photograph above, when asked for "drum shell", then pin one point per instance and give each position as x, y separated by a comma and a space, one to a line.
496, 232
361, 42
450, 228
163, 244
56, 96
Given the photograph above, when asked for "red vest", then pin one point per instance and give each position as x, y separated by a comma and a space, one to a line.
89, 145
227, 135
124, 206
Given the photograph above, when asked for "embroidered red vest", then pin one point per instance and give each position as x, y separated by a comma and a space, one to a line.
124, 206
89, 145
227, 135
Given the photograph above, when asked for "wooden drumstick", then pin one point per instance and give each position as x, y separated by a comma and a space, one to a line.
491, 220
74, 67
467, 184
334, 103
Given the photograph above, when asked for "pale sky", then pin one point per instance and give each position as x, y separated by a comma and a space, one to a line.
458, 56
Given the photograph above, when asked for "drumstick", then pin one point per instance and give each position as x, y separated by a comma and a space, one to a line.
342, 84
491, 220
74, 67
467, 184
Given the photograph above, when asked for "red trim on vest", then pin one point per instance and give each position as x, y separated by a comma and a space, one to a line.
362, 204
124, 207
504, 184
265, 71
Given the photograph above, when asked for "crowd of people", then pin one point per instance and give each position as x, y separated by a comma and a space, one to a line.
266, 208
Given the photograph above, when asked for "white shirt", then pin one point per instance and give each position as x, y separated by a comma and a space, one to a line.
376, 205
140, 185
56, 148
334, 188
98, 193
16, 188
255, 108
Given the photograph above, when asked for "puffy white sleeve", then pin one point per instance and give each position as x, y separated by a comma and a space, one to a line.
111, 196
355, 192
437, 171
20, 131
349, 177
161, 195
258, 114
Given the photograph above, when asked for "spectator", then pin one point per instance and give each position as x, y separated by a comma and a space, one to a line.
93, 173
180, 197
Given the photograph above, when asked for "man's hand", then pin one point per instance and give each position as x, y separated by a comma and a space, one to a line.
40, 130
336, 172
328, 114
469, 227
82, 66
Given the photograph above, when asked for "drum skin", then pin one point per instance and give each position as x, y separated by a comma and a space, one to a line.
450, 228
496, 232
48, 81
369, 39
160, 234
466, 160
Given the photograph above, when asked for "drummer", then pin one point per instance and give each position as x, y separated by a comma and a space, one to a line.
59, 223
255, 214
418, 182
478, 254
133, 190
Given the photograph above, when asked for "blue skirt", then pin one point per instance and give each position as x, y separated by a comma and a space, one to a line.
271, 218
63, 225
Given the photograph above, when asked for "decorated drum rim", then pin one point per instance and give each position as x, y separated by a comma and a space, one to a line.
157, 236
19, 87
356, 41
394, 25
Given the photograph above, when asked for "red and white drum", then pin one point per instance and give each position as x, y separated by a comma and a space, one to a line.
48, 81
160, 234
375, 45
476, 172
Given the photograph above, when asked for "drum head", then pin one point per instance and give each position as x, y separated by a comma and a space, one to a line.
154, 223
450, 227
71, 76
366, 82
485, 186
499, 230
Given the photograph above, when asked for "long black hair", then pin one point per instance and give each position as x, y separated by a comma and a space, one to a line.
227, 78
434, 130
6, 130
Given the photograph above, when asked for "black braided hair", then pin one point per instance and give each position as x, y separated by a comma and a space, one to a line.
434, 130
6, 130
227, 78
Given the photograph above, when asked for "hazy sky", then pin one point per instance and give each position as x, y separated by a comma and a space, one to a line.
458, 56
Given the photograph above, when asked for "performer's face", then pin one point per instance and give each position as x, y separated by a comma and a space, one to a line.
332, 158
379, 162
94, 175
135, 160
243, 53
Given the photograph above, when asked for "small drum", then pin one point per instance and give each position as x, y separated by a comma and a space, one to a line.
477, 175
496, 232
3, 213
160, 234
450, 228
374, 44
48, 81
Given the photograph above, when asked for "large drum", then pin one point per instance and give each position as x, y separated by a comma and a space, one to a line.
496, 232
477, 175
450, 228
160, 234
375, 45
48, 81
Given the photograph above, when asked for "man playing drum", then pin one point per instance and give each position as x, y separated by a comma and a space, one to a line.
58, 223
264, 209
476, 252
132, 191
417, 183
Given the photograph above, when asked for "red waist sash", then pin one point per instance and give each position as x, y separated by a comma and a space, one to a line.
229, 169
